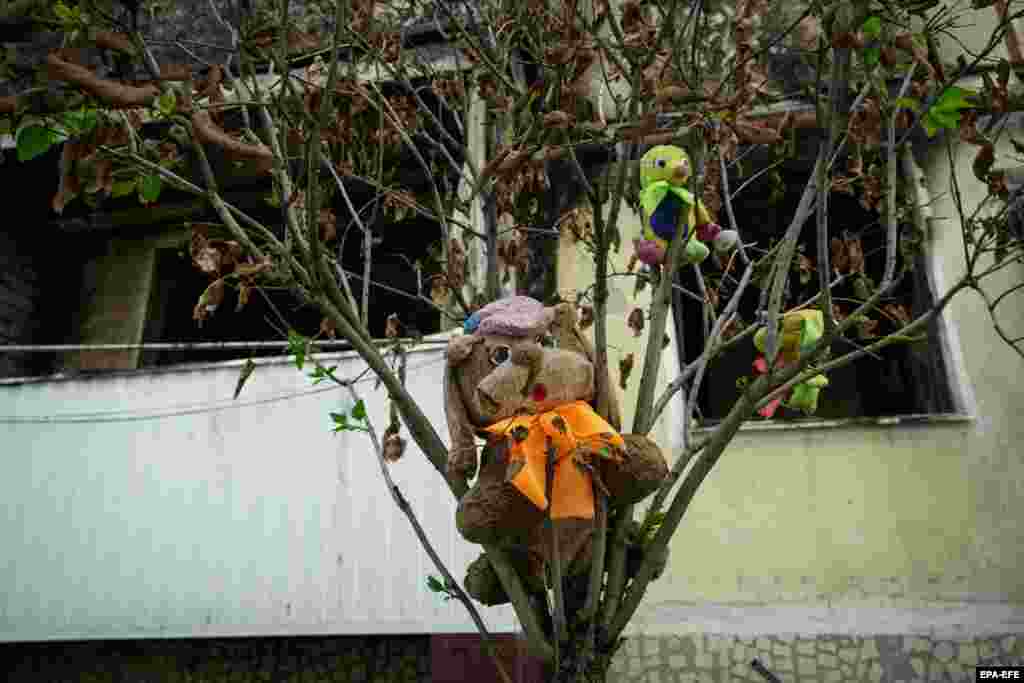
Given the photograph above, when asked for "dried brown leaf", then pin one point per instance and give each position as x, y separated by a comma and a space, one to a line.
393, 327
625, 368
328, 225
439, 290
840, 258
393, 447
636, 321
855, 253
328, 328
899, 312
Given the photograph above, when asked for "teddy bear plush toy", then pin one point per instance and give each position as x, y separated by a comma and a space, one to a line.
668, 207
522, 379
800, 331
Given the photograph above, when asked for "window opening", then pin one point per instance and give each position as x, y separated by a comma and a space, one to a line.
902, 379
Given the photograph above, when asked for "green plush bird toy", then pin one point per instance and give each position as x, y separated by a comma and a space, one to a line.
667, 206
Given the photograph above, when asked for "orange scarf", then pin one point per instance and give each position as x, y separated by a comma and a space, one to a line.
574, 430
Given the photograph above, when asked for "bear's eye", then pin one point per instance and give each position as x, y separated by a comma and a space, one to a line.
500, 354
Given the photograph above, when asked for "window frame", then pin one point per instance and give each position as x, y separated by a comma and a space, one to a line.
944, 339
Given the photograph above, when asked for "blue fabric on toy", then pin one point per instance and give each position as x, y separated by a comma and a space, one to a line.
666, 217
472, 322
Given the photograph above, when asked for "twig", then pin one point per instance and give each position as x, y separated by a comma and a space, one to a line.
449, 580
556, 560
890, 200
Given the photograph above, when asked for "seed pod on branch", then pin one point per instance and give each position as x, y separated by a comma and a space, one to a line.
110, 92
625, 368
114, 41
636, 321
209, 132
557, 120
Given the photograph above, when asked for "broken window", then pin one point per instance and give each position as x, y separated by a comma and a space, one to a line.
907, 378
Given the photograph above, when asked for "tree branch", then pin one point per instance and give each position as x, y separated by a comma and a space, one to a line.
449, 580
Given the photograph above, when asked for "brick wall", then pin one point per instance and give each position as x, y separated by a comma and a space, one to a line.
343, 659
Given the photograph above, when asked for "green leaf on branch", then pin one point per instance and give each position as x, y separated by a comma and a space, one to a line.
342, 424
149, 188
321, 373
79, 122
359, 411
945, 113
872, 27
435, 586
297, 346
871, 56
122, 188
243, 376
167, 103
34, 140
908, 103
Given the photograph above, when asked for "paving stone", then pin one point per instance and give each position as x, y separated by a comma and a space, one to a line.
764, 645
828, 660
678, 662
920, 645
848, 655
944, 652
654, 677
918, 666
986, 649
832, 677
1009, 643
805, 647
718, 644
807, 666
968, 653
869, 649
875, 672
704, 660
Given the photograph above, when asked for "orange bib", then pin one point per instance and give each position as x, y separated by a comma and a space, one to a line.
571, 428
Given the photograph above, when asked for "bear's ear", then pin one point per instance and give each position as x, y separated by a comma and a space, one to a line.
462, 452
571, 339
460, 348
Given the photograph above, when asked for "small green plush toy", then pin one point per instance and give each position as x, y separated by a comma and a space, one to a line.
667, 206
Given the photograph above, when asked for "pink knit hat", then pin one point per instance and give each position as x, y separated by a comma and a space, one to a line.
514, 316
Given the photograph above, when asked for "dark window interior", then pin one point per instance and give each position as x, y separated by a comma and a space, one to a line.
903, 379
179, 285
40, 274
